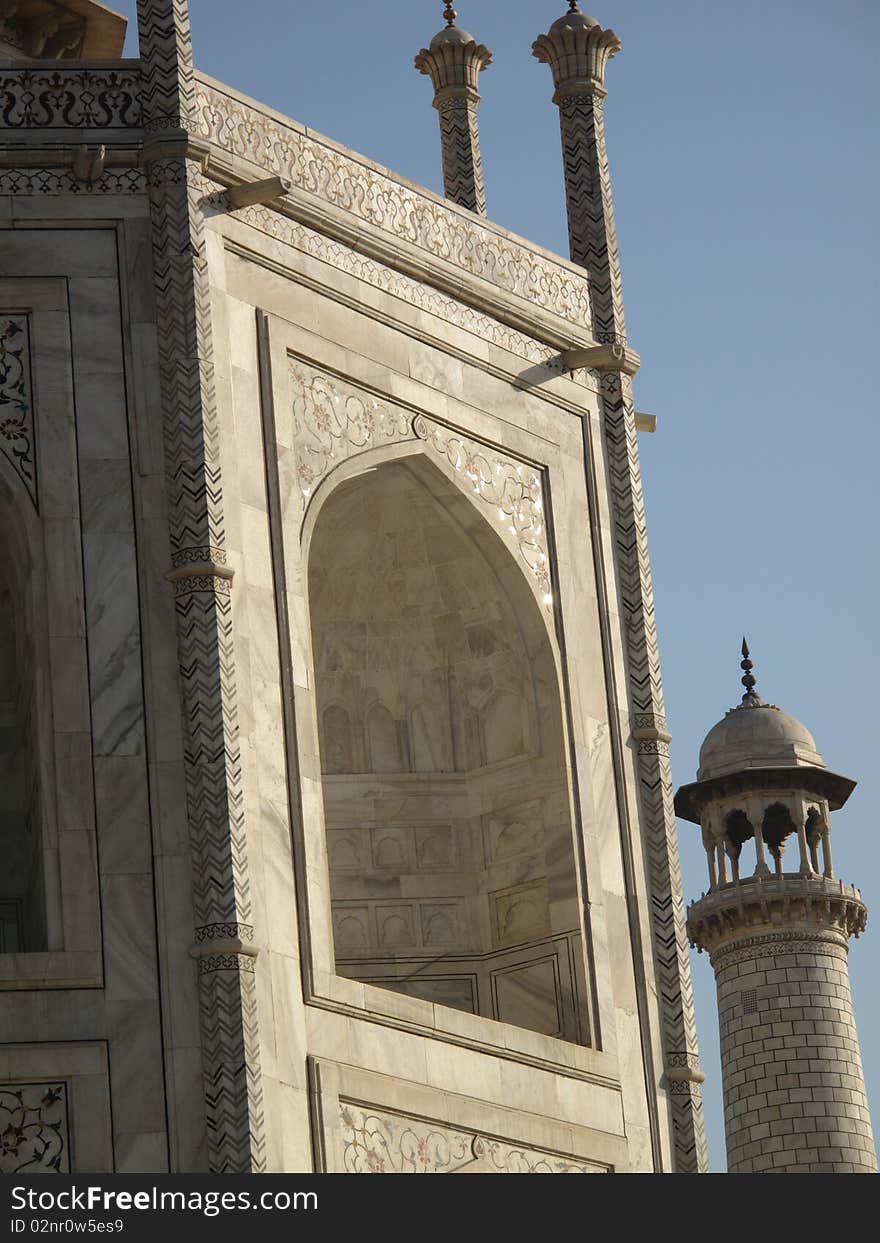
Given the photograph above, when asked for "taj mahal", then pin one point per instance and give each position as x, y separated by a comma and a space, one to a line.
337, 820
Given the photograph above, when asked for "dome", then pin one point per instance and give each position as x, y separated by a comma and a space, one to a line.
573, 20
451, 34
756, 735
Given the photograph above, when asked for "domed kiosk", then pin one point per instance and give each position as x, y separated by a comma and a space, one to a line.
794, 1093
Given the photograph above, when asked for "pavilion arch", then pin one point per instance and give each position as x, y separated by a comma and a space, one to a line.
26, 768
450, 843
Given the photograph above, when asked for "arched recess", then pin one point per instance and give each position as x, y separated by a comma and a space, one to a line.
450, 845
24, 712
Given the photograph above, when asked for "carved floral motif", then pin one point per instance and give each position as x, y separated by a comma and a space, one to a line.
33, 1129
383, 1143
16, 406
514, 489
333, 420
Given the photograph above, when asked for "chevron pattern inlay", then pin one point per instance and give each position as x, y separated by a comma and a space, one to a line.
462, 162
578, 53
589, 206
202, 589
168, 88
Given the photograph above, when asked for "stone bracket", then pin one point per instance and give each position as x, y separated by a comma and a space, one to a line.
249, 193
609, 357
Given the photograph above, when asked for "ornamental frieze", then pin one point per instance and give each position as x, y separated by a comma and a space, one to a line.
377, 1142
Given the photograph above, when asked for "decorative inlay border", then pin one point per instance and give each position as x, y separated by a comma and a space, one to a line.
772, 944
229, 1009
70, 98
334, 420
34, 1133
52, 181
377, 1142
387, 204
16, 401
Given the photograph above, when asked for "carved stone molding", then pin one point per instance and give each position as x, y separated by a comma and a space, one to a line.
16, 401
754, 908
379, 1142
34, 1136
407, 288
375, 197
39, 98
774, 944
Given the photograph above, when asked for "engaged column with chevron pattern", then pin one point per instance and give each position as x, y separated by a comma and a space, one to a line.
202, 582
454, 62
578, 49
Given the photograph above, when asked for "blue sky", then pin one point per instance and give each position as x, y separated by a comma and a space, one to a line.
744, 155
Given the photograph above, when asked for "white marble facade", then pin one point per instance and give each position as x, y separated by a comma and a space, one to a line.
446, 949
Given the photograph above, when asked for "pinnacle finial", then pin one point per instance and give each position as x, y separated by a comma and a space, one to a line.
450, 14
748, 679
573, 6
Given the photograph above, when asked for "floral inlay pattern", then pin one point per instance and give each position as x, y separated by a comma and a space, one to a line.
514, 489
382, 1143
333, 420
33, 1129
16, 406
80, 98
372, 195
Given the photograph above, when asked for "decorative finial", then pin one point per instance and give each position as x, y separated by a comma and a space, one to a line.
748, 680
450, 14
573, 6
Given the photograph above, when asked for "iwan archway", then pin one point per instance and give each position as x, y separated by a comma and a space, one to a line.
446, 797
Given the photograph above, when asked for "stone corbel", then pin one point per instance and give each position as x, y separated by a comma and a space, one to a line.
683, 1073
251, 193
610, 357
647, 727
201, 576
88, 163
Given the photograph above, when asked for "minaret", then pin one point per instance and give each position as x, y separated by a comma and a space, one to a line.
454, 62
578, 49
794, 1092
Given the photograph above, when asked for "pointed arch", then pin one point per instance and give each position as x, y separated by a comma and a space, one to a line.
422, 614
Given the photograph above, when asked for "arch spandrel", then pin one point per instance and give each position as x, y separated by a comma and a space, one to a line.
335, 421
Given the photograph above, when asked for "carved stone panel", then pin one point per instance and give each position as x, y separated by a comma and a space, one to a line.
16, 402
34, 1136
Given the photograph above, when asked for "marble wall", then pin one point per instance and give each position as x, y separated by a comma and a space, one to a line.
80, 1018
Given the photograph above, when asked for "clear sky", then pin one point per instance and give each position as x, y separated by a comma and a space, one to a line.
744, 156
